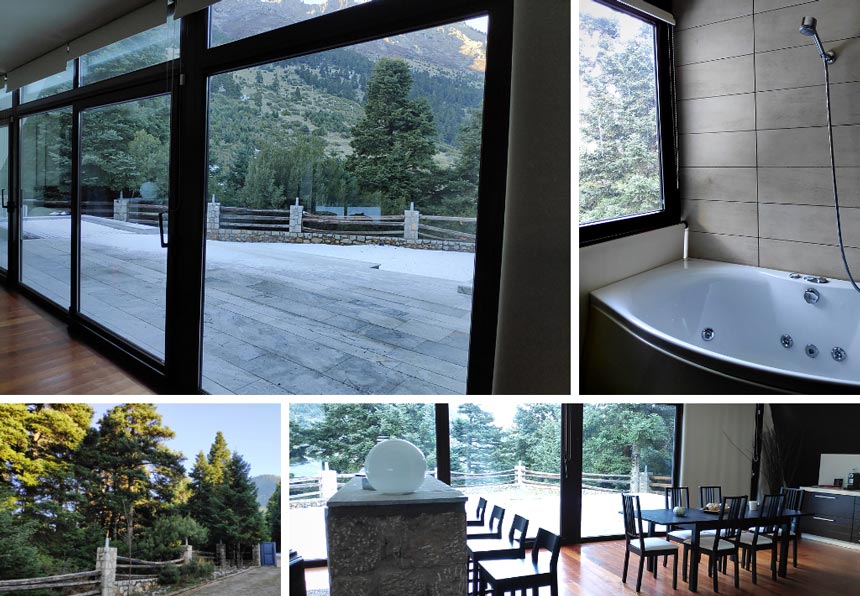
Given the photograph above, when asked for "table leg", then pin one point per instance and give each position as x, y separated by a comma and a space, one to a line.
651, 560
783, 549
694, 560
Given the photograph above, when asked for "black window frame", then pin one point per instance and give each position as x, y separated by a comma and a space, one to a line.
601, 231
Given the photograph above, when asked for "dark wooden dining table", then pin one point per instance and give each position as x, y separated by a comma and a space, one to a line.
700, 520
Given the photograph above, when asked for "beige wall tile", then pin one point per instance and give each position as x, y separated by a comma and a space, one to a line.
718, 149
837, 19
722, 184
806, 258
718, 247
725, 39
720, 77
720, 217
717, 114
801, 147
693, 14
808, 186
801, 66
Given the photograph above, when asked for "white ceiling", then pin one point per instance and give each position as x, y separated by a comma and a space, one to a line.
31, 28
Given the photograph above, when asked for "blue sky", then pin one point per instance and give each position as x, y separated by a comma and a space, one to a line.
254, 430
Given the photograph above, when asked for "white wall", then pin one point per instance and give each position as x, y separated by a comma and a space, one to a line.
717, 442
533, 353
608, 262
837, 465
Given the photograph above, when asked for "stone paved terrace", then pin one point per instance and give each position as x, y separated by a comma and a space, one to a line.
276, 320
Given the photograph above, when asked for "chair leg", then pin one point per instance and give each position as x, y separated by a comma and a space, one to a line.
737, 573
754, 557
626, 561
639, 575
716, 565
665, 560
654, 565
795, 550
773, 561
684, 566
675, 571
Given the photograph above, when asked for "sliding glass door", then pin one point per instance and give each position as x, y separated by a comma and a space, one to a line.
4, 197
124, 187
46, 203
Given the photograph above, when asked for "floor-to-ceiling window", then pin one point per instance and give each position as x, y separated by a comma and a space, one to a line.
46, 203
4, 197
124, 186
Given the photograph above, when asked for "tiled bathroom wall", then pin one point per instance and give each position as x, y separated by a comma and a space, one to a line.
755, 180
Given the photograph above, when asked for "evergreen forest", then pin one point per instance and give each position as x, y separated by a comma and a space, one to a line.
67, 485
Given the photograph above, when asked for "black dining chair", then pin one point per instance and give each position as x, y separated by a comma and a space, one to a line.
723, 543
646, 547
530, 573
480, 513
676, 496
763, 536
793, 500
485, 549
493, 529
710, 494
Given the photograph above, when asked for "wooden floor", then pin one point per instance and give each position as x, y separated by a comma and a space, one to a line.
38, 357
595, 569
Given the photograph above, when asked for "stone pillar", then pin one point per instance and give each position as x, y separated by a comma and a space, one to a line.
328, 483
221, 554
410, 225
255, 555
213, 220
296, 219
106, 563
120, 209
519, 470
25, 210
187, 554
390, 545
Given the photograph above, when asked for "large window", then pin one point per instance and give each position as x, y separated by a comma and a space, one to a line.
623, 144
154, 46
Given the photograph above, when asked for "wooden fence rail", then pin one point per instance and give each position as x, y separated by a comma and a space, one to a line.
51, 581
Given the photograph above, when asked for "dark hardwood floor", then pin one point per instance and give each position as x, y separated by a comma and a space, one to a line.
39, 357
595, 570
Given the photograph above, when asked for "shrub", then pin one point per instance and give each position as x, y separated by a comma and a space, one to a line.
168, 575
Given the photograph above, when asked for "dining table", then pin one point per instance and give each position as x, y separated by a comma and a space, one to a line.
699, 520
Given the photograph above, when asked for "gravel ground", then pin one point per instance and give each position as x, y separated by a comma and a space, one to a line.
264, 581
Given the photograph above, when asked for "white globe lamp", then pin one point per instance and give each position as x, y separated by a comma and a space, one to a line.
395, 467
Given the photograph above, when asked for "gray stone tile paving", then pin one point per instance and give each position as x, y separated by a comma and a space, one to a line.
302, 324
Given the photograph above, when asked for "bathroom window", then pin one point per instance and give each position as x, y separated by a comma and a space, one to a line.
626, 147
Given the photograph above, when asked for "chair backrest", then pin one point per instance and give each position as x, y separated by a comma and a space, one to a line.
731, 510
548, 541
793, 500
710, 494
770, 508
497, 516
676, 496
632, 520
518, 530
482, 509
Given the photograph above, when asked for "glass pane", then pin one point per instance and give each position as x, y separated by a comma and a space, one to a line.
125, 163
139, 51
340, 254
328, 445
511, 455
237, 19
625, 448
62, 81
5, 99
46, 190
619, 148
4, 192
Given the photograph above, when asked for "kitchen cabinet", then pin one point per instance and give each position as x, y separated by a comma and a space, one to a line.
835, 514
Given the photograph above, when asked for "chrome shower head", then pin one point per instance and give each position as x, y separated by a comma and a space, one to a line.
808, 27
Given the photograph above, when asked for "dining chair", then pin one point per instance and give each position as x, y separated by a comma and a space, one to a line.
793, 500
724, 542
763, 536
480, 513
710, 494
530, 573
676, 496
484, 549
646, 547
493, 529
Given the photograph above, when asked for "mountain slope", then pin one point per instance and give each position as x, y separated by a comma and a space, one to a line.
266, 485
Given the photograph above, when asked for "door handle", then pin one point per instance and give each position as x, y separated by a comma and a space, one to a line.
161, 229
3, 202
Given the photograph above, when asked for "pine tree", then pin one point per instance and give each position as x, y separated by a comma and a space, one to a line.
474, 440
393, 145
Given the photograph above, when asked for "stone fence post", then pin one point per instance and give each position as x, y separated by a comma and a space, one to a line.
106, 563
296, 218
187, 554
120, 209
213, 220
328, 483
410, 224
256, 555
519, 470
221, 554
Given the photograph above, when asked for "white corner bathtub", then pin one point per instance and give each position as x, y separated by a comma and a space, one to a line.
646, 334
